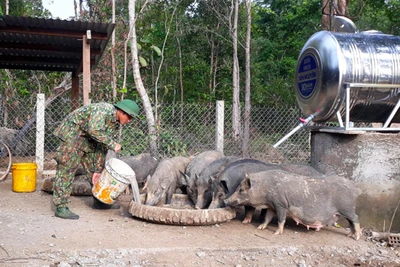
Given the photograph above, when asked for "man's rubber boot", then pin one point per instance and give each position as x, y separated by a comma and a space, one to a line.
98, 205
65, 213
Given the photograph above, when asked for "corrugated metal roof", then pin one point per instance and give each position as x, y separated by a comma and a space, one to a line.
49, 44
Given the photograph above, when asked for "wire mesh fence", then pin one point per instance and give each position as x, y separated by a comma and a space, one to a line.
182, 129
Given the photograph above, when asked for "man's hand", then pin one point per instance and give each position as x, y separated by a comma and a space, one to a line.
118, 148
95, 177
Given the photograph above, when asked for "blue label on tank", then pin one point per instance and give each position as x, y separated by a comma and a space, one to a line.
307, 75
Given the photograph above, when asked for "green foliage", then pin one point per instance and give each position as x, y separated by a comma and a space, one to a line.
137, 147
282, 28
377, 15
123, 90
156, 49
143, 62
279, 30
196, 79
170, 145
174, 121
32, 8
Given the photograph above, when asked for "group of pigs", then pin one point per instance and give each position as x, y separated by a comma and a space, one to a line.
212, 180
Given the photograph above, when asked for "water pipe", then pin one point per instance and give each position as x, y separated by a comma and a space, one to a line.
302, 123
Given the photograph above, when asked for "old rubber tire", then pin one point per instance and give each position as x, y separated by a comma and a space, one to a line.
4, 176
176, 216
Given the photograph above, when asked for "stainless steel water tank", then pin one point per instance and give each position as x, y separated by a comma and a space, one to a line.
330, 60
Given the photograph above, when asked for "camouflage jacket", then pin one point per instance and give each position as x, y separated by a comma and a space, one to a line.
90, 126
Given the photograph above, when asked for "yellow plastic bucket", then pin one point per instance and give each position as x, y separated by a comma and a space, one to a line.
23, 177
114, 179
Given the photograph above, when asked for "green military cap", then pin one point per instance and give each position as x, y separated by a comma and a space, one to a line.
128, 106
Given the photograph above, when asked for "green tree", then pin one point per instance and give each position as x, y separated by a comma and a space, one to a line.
281, 27
31, 8
376, 15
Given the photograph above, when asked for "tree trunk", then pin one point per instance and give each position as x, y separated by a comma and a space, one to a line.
178, 42
235, 74
80, 9
113, 67
138, 81
167, 30
216, 62
332, 8
247, 112
212, 66
76, 9
6, 89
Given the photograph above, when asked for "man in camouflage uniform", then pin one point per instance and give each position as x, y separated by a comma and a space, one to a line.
86, 134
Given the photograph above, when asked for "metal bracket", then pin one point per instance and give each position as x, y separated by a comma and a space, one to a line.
348, 126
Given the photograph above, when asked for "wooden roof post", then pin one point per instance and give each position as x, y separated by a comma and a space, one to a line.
86, 67
75, 92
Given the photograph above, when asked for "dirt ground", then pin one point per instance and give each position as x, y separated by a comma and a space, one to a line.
31, 236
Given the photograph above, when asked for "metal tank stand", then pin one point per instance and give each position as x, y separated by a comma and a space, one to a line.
349, 126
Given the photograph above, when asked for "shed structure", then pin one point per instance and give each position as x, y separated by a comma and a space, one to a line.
29, 43
54, 45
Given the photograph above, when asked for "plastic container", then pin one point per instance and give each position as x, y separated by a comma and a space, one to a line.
114, 179
23, 177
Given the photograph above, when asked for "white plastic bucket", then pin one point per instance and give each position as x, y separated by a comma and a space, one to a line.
114, 179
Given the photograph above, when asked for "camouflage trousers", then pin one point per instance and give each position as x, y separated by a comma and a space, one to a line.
68, 158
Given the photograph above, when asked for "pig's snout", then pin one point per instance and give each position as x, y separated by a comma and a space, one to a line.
199, 204
232, 202
217, 204
152, 200
228, 202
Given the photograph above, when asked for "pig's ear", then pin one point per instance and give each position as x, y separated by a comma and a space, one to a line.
211, 180
196, 177
163, 184
224, 186
247, 182
145, 184
148, 177
185, 177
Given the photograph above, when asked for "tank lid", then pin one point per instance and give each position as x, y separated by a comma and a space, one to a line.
343, 24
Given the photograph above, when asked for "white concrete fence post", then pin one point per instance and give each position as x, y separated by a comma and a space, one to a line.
40, 134
219, 133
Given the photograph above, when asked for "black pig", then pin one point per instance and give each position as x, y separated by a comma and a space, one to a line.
311, 202
203, 182
232, 175
142, 164
165, 180
195, 167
